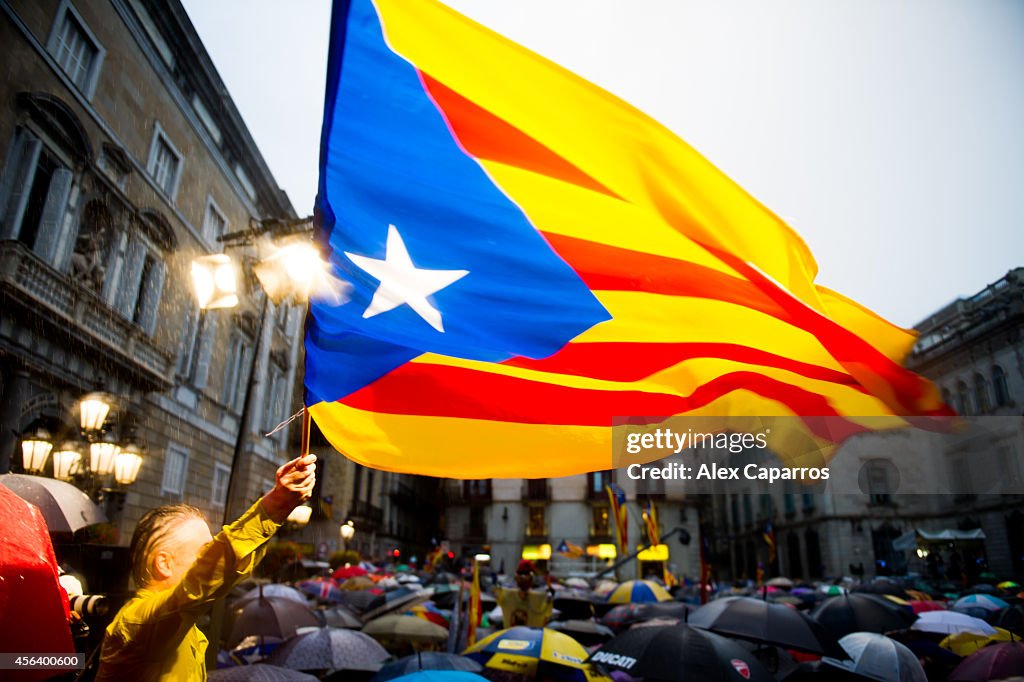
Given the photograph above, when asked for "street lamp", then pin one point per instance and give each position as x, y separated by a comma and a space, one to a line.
215, 281
93, 409
35, 449
127, 464
300, 515
348, 529
102, 454
67, 461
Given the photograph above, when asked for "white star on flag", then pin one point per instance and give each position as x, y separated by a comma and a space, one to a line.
401, 282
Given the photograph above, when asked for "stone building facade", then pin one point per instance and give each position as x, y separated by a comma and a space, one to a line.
973, 349
122, 158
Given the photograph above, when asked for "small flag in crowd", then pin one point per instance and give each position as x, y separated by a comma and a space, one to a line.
617, 498
769, 538
569, 550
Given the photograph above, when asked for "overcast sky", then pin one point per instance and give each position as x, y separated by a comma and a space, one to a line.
890, 134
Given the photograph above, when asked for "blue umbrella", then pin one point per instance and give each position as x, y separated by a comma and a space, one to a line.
441, 676
426, 661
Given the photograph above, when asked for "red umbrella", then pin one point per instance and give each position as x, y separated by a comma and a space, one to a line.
35, 605
346, 572
993, 662
922, 606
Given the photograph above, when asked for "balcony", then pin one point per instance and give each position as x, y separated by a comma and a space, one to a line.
40, 292
366, 515
536, 531
599, 534
474, 533
536, 490
476, 491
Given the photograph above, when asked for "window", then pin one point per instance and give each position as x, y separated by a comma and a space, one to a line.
236, 374
207, 119
221, 476
196, 347
115, 165
879, 483
164, 163
135, 278
999, 387
214, 223
75, 49
246, 183
275, 407
963, 401
981, 401
601, 521
38, 199
536, 527
150, 27
596, 482
175, 470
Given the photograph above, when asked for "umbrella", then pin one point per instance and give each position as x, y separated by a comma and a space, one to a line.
428, 612
405, 628
346, 572
441, 676
584, 585
394, 600
64, 507
586, 632
638, 592
991, 663
330, 649
322, 590
878, 657
359, 582
270, 616
950, 623
34, 607
785, 583
358, 600
759, 621
832, 590
983, 588
339, 617
274, 590
966, 643
536, 652
425, 660
574, 603
922, 606
980, 601
883, 588
1008, 585
260, 672
1012, 619
624, 615
679, 652
861, 613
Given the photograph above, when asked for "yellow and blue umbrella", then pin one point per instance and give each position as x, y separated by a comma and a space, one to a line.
638, 592
535, 652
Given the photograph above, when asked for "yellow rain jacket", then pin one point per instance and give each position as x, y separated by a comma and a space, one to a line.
154, 636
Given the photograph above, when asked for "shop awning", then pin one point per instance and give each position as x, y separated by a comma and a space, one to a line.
916, 538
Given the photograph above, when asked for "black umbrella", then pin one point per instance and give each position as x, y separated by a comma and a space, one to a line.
883, 587
574, 603
426, 660
861, 613
679, 653
624, 615
756, 620
1011, 619
339, 617
330, 649
270, 617
586, 632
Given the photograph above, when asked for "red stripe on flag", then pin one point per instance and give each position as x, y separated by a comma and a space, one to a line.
469, 393
485, 136
627, 361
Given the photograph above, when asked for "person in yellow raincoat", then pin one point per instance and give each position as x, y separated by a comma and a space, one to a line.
524, 605
180, 570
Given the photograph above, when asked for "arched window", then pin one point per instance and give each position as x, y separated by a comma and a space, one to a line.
40, 181
981, 401
999, 387
963, 400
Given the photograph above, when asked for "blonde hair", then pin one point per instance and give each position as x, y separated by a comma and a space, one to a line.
153, 530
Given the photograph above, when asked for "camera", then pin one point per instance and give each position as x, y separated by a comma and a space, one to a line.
90, 606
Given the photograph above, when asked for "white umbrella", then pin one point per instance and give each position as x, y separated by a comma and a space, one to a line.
577, 582
275, 590
878, 657
64, 507
950, 623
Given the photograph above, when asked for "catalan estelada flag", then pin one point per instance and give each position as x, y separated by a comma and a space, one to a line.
570, 550
651, 525
620, 512
531, 257
769, 539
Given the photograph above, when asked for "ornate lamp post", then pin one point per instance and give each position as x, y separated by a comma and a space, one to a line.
347, 530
